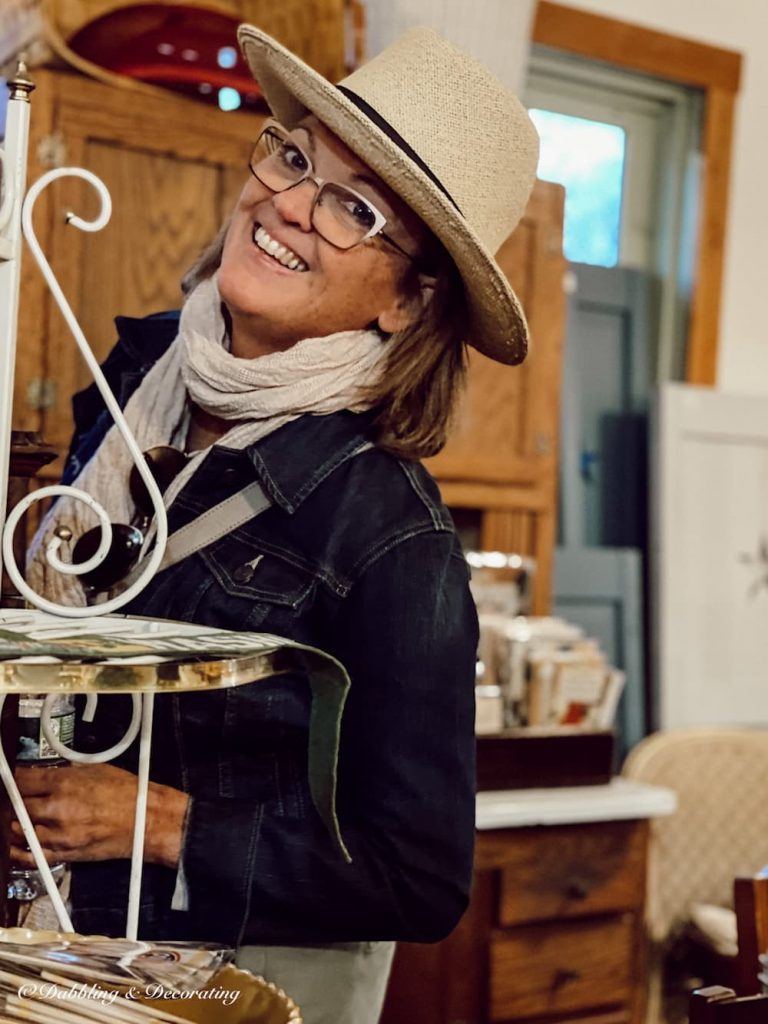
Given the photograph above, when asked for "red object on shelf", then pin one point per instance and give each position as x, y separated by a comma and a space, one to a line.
189, 49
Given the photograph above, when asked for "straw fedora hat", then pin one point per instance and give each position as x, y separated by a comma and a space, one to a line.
453, 142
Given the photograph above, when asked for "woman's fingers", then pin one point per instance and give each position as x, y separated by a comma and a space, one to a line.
51, 839
43, 809
82, 812
87, 812
22, 857
47, 837
79, 790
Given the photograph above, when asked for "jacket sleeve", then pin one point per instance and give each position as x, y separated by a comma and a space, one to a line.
407, 634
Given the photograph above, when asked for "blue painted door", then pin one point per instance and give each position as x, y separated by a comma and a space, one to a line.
609, 351
600, 567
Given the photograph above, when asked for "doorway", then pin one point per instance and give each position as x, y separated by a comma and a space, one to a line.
626, 148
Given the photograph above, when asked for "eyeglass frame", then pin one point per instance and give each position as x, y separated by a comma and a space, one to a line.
379, 222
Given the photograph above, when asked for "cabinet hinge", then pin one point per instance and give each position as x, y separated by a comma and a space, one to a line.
41, 393
52, 150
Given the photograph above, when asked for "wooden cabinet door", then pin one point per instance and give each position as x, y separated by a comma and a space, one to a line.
507, 429
173, 168
502, 458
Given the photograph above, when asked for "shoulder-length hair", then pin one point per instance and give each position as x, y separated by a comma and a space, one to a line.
424, 369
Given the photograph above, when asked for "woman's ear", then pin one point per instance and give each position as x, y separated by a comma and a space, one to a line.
406, 309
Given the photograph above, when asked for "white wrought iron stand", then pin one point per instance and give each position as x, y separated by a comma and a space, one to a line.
16, 221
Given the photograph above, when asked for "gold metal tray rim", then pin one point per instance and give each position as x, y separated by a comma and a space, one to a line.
160, 677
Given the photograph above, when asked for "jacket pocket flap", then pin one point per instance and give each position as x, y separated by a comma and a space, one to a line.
249, 570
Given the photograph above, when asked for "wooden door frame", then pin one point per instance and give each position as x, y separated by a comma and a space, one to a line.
718, 73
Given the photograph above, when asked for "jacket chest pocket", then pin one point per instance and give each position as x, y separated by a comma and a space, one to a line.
254, 588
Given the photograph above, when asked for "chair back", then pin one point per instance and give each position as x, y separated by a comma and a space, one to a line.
720, 830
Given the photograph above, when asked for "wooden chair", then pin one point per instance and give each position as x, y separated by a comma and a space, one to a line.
718, 1005
750, 901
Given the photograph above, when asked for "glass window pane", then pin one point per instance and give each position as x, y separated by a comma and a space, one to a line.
587, 157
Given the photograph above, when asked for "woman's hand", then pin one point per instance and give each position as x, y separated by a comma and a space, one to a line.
86, 812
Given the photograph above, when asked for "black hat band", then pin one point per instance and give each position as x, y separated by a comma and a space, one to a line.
395, 137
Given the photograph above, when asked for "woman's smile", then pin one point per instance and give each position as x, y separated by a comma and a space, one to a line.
276, 251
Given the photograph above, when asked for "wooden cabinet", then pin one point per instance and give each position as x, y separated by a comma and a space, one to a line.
28, 457
554, 934
174, 168
561, 968
502, 460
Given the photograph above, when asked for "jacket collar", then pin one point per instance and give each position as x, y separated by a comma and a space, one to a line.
293, 460
147, 338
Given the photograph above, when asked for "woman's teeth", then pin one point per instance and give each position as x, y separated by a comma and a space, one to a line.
284, 256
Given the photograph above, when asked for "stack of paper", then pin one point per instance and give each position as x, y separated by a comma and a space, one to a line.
73, 979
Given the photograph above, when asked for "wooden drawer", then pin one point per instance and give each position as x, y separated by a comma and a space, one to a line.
611, 1017
562, 872
546, 969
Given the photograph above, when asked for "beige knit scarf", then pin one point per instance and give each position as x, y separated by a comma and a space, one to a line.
316, 376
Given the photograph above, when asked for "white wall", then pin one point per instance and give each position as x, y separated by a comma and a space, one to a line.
497, 32
740, 25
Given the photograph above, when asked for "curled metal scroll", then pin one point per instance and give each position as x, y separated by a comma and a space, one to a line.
141, 719
77, 756
161, 522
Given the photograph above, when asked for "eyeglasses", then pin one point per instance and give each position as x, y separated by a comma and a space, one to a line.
165, 464
339, 214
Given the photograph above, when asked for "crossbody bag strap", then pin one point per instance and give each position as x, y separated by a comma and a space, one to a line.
222, 519
214, 524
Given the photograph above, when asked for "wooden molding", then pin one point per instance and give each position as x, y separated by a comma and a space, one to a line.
630, 46
703, 327
498, 497
718, 73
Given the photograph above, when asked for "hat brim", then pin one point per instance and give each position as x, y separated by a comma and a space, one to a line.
292, 89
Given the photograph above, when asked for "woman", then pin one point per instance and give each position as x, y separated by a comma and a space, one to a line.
320, 350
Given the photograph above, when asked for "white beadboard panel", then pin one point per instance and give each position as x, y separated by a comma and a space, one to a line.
496, 32
712, 557
20, 23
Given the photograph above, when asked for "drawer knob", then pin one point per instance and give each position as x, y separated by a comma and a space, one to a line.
576, 891
564, 976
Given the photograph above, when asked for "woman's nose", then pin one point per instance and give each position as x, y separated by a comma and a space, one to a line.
295, 204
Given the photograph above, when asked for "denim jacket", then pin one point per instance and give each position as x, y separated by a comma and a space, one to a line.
356, 555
